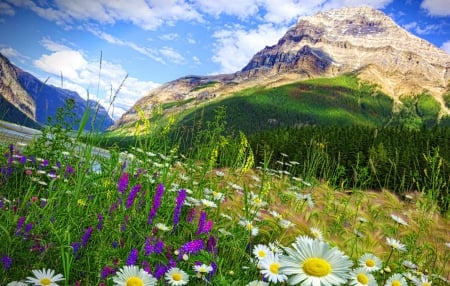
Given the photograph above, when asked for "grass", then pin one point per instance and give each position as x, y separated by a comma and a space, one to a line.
86, 215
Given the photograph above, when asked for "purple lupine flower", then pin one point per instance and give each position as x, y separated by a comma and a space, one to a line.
123, 226
69, 170
6, 261
106, 271
86, 236
192, 247
182, 194
156, 203
27, 230
150, 247
201, 222
190, 216
133, 193
76, 247
146, 266
132, 257
100, 221
211, 245
20, 224
23, 159
123, 182
160, 270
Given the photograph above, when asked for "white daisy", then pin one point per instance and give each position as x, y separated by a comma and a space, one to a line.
248, 225
257, 283
133, 275
395, 244
399, 220
16, 283
202, 270
370, 262
312, 262
361, 277
396, 280
270, 268
316, 233
162, 227
44, 277
260, 251
175, 276
422, 281
208, 203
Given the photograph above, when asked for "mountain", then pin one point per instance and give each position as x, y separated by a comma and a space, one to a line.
361, 40
26, 100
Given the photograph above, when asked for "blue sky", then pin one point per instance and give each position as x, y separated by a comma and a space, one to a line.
156, 41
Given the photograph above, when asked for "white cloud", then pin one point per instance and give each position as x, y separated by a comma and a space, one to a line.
377, 4
424, 30
240, 8
82, 75
436, 7
169, 37
6, 9
446, 46
9, 52
235, 46
148, 15
172, 55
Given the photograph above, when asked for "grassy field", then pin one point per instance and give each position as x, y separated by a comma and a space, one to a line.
146, 217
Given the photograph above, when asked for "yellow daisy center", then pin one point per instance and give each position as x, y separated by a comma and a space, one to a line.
396, 283
274, 268
370, 263
426, 284
177, 277
134, 281
317, 267
45, 281
261, 253
362, 278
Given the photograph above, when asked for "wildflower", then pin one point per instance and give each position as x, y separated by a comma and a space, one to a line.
395, 244
133, 275
6, 261
257, 283
369, 262
100, 221
362, 277
162, 227
106, 271
409, 264
312, 262
133, 193
156, 203
202, 270
423, 281
396, 280
192, 247
307, 198
203, 225
86, 236
150, 247
261, 251
176, 276
316, 233
81, 202
44, 277
132, 257
249, 227
123, 183
270, 268
20, 224
182, 194
399, 220
208, 203
16, 283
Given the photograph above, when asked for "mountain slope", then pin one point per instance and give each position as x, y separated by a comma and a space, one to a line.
26, 100
362, 40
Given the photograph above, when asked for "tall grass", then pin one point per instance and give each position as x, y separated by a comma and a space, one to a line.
86, 214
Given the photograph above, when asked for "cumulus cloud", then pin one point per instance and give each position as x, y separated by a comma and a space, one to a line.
6, 9
9, 52
436, 7
84, 76
422, 30
235, 46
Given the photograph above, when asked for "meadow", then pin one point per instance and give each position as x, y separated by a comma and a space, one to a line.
70, 215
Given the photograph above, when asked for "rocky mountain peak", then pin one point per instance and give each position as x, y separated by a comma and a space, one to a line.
359, 40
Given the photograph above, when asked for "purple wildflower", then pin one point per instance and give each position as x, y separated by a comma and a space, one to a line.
146, 266
20, 224
132, 257
76, 247
190, 216
123, 182
150, 247
192, 247
86, 236
156, 203
106, 271
182, 194
6, 261
160, 270
201, 222
211, 244
133, 193
69, 170
100, 221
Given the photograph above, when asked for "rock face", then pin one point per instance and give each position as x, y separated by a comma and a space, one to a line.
360, 40
26, 100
